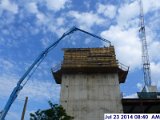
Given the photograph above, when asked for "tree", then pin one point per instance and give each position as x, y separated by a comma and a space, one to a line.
56, 112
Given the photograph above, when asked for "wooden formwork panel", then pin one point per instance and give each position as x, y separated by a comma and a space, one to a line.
90, 60
89, 57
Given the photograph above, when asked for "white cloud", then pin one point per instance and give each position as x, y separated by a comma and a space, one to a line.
127, 45
9, 6
36, 89
60, 21
45, 42
56, 5
139, 86
155, 21
107, 10
42, 19
46, 21
59, 31
124, 34
86, 19
6, 84
87, 4
127, 12
154, 49
151, 5
32, 7
134, 95
7, 66
155, 74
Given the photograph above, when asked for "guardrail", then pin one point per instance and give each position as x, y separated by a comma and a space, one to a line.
56, 67
122, 66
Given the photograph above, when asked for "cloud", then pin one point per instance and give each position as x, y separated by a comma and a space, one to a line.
36, 90
32, 7
57, 5
130, 10
127, 12
139, 86
155, 74
45, 42
134, 95
41, 89
107, 10
46, 21
87, 4
60, 21
125, 35
151, 5
154, 49
127, 45
9, 6
6, 84
155, 21
86, 20
6, 64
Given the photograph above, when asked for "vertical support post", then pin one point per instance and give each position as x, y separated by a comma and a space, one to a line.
24, 108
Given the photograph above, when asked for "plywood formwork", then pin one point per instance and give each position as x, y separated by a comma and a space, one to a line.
90, 60
93, 57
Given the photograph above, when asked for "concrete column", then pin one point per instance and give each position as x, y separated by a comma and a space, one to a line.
89, 96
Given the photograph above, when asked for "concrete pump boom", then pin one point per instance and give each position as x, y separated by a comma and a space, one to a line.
37, 61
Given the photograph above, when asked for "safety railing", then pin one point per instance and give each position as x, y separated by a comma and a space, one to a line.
56, 67
123, 67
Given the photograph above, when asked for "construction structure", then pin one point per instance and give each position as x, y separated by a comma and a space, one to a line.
90, 79
141, 105
27, 75
148, 99
148, 88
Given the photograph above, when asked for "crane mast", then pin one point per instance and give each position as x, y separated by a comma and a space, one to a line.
145, 56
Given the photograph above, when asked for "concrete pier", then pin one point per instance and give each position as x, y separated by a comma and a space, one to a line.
88, 97
90, 79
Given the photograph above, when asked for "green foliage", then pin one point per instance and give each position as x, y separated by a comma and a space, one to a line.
56, 112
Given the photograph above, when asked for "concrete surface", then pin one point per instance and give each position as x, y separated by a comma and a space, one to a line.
89, 96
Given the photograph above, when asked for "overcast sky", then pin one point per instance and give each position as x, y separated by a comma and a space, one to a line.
28, 26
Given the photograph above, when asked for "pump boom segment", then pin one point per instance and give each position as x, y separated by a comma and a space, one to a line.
39, 59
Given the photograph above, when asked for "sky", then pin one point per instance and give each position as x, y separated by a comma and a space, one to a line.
27, 27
